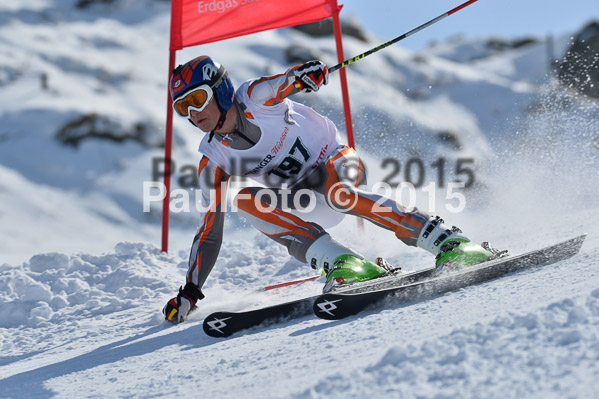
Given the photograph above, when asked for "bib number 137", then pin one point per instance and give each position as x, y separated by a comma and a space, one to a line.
292, 164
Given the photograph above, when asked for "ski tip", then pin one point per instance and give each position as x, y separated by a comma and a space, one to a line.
216, 325
325, 306
340, 306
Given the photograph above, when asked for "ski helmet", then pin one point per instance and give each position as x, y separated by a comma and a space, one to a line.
203, 70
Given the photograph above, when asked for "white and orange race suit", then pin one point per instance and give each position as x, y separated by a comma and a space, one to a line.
291, 151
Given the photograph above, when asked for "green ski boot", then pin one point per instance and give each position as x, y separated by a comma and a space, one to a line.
341, 264
349, 269
458, 253
452, 249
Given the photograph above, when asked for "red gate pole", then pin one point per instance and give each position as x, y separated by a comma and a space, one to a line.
349, 128
168, 146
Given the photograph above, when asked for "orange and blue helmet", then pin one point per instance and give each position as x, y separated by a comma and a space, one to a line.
199, 71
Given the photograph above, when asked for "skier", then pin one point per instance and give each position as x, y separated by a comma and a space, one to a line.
256, 131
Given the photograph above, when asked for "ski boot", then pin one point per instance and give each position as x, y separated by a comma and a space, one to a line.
452, 249
348, 269
341, 264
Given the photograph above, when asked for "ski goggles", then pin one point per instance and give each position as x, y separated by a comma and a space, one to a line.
196, 99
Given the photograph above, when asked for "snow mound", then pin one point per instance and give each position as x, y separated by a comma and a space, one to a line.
554, 351
53, 287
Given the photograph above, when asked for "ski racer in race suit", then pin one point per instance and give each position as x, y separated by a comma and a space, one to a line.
258, 132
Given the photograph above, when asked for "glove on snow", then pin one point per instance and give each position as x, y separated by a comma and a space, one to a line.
177, 309
311, 76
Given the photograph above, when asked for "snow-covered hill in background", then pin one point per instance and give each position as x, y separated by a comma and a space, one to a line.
82, 282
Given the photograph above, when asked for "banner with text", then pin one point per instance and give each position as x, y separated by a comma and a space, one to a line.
195, 22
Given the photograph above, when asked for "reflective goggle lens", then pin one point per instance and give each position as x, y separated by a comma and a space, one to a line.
198, 99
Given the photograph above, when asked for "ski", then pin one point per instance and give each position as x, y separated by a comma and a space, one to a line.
223, 324
403, 286
334, 306
399, 277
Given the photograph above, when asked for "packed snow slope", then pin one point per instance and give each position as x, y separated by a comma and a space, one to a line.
82, 281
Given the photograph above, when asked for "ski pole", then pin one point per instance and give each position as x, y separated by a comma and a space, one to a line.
397, 39
272, 287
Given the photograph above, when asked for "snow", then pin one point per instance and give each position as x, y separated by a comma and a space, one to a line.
82, 280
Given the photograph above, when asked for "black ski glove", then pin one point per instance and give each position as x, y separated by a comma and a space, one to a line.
177, 309
311, 75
